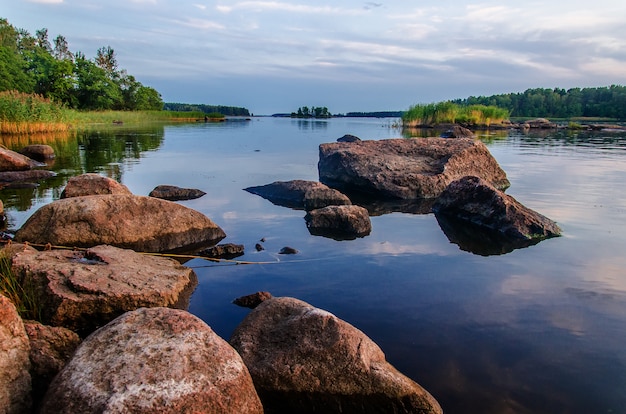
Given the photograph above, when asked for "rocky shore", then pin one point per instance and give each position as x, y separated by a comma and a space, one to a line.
114, 334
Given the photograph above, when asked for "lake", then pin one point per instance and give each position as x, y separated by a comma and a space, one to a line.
536, 330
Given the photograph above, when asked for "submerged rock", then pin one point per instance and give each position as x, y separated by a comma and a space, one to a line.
300, 194
406, 168
476, 201
223, 251
457, 131
135, 222
305, 360
155, 360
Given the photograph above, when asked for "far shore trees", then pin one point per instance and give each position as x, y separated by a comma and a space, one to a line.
313, 112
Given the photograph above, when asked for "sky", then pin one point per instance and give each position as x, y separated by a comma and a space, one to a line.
348, 56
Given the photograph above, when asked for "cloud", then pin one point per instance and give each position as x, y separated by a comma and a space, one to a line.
45, 1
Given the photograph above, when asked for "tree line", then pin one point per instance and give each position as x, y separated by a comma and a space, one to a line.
35, 65
313, 112
207, 109
601, 102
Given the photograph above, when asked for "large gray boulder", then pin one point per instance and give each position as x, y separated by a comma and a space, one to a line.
305, 360
15, 381
92, 184
155, 360
300, 194
135, 222
339, 222
84, 290
476, 201
406, 168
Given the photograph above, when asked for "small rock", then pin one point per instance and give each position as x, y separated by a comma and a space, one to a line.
259, 247
173, 193
288, 250
299, 194
253, 300
223, 251
348, 138
457, 131
343, 222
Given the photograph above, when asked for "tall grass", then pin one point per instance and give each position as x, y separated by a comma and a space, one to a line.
29, 113
22, 113
451, 113
20, 292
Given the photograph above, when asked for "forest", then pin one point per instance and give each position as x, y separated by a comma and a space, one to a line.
35, 65
600, 102
207, 109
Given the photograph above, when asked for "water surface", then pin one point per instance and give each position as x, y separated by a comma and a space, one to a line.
537, 330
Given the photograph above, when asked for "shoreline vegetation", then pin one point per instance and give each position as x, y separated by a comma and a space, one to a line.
22, 113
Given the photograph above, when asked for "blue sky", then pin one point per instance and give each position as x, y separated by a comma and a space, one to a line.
275, 56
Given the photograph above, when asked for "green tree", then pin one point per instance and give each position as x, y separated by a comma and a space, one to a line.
94, 89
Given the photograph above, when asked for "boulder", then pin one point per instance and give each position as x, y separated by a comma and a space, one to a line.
13, 161
300, 194
340, 222
84, 290
348, 138
39, 152
136, 222
173, 193
406, 168
15, 380
155, 360
92, 184
306, 360
476, 201
50, 349
457, 131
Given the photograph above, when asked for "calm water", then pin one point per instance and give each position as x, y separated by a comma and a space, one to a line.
537, 330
